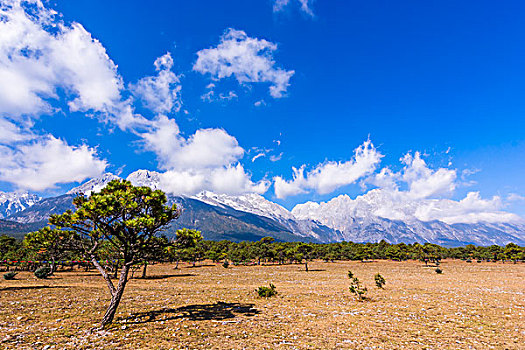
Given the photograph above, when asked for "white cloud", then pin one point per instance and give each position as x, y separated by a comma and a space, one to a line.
414, 193
12, 133
306, 6
43, 163
210, 96
40, 54
248, 60
231, 179
276, 157
207, 148
514, 197
257, 156
160, 93
207, 160
470, 209
424, 182
329, 176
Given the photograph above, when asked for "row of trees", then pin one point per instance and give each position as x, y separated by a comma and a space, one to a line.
59, 248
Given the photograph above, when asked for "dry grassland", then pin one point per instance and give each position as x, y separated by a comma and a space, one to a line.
469, 306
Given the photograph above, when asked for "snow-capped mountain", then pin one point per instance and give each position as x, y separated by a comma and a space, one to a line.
93, 185
390, 215
258, 205
251, 203
394, 217
145, 178
13, 202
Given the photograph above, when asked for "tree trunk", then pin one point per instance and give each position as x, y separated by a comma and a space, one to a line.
115, 268
115, 299
306, 264
104, 274
144, 269
53, 266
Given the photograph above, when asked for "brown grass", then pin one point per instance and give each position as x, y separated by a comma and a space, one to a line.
469, 306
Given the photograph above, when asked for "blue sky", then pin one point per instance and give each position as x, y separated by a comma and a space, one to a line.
441, 78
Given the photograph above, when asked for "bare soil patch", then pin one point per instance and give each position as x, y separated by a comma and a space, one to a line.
469, 306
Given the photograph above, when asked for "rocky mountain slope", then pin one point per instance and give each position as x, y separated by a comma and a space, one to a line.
12, 202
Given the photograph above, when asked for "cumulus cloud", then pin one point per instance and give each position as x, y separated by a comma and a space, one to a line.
248, 60
328, 176
12, 133
160, 93
232, 179
207, 148
48, 161
40, 54
424, 182
207, 160
306, 5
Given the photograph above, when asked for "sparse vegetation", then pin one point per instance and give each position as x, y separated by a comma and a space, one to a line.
266, 292
10, 275
356, 288
43, 272
380, 281
439, 271
181, 308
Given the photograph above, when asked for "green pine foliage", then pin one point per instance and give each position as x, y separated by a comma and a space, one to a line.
266, 292
356, 287
380, 281
42, 272
10, 275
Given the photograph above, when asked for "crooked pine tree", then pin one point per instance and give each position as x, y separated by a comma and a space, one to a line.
126, 216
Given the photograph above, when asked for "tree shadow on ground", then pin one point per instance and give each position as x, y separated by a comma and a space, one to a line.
30, 287
198, 312
198, 266
160, 277
315, 270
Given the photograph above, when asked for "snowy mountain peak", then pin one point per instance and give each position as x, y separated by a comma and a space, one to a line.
13, 202
94, 185
145, 178
251, 203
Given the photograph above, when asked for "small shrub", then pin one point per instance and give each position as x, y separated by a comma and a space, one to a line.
225, 264
10, 275
266, 292
469, 260
380, 281
42, 272
356, 288
439, 271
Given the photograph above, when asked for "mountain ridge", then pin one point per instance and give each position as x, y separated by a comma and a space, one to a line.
221, 216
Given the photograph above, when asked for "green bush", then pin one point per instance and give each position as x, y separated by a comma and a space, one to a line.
356, 288
42, 272
266, 292
10, 275
439, 271
380, 281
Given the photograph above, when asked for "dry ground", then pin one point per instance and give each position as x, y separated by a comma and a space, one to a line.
469, 306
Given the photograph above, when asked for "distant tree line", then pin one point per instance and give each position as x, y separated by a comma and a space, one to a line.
58, 250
